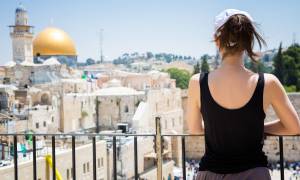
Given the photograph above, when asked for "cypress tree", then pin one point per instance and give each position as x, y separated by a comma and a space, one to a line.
196, 68
279, 65
204, 65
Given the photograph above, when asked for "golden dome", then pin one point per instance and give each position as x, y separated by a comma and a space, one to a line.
53, 41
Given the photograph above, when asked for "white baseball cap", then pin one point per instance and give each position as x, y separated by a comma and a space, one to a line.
223, 17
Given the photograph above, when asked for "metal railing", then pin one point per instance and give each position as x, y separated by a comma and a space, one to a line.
158, 148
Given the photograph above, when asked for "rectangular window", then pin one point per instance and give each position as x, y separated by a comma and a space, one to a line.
88, 167
37, 125
102, 162
84, 168
44, 123
98, 162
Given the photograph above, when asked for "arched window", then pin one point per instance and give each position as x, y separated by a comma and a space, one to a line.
45, 99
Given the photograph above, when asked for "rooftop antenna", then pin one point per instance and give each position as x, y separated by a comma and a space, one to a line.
294, 38
101, 45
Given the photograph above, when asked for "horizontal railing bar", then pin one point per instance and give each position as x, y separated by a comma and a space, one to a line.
271, 135
68, 134
118, 134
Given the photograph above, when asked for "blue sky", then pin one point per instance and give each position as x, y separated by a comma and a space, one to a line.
174, 26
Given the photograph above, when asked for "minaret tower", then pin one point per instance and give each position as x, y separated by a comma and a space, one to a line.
22, 35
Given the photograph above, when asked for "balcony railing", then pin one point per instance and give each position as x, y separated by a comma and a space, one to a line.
158, 149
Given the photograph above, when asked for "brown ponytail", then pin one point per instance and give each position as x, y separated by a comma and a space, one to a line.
237, 35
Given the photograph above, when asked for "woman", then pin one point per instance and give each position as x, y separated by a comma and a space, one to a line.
228, 105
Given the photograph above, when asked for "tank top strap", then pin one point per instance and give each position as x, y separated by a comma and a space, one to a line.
202, 77
260, 90
203, 87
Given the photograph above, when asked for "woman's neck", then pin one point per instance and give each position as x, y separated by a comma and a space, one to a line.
233, 62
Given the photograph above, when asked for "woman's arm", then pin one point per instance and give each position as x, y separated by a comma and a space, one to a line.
288, 122
194, 117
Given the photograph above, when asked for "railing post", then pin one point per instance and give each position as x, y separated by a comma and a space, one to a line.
53, 159
15, 157
281, 157
136, 171
73, 158
114, 158
94, 158
34, 157
183, 157
158, 148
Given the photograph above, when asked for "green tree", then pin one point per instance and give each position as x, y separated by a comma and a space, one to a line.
181, 76
204, 65
291, 88
149, 55
279, 65
287, 67
291, 72
251, 65
196, 68
256, 66
291, 58
90, 61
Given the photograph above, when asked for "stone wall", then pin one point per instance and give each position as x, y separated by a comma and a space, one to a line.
117, 109
78, 112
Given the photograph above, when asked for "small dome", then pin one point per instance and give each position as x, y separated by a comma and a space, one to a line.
53, 42
51, 61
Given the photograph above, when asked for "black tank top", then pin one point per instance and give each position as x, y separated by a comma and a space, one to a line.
234, 138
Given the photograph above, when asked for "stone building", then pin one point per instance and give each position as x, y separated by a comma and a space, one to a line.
84, 165
117, 104
138, 81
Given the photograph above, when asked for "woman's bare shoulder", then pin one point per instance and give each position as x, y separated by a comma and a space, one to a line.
271, 80
195, 77
194, 82
273, 86
194, 87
